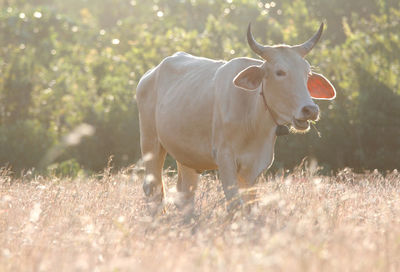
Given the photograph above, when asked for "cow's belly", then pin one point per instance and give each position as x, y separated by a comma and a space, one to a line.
190, 156
184, 129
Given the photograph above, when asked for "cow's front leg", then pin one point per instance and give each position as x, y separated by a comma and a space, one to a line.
228, 175
249, 193
186, 186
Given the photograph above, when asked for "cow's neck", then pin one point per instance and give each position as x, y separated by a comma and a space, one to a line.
259, 122
264, 117
261, 145
280, 130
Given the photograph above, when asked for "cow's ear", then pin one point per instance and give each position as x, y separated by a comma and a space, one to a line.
250, 78
320, 87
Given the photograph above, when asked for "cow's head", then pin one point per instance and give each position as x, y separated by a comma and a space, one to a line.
287, 81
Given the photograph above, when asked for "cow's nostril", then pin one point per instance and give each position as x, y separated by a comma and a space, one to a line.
306, 111
310, 112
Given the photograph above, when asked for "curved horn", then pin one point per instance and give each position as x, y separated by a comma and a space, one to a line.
259, 49
304, 48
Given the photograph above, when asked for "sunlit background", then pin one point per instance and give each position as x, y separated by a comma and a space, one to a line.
69, 70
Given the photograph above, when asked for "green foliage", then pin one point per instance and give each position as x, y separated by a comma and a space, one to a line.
23, 143
69, 168
67, 63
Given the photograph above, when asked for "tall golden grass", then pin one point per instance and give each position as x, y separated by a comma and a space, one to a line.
301, 222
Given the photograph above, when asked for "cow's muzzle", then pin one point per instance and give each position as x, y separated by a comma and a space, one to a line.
308, 113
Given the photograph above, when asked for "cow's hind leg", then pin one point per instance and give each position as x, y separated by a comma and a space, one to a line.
154, 156
153, 153
186, 186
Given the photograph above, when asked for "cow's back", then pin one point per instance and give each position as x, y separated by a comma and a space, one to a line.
179, 94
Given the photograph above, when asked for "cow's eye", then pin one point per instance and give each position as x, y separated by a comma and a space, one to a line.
280, 73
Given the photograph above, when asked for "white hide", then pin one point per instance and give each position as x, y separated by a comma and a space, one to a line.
190, 108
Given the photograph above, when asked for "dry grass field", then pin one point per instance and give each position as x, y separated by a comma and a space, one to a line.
301, 222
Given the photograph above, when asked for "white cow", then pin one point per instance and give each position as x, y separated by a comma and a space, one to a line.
209, 114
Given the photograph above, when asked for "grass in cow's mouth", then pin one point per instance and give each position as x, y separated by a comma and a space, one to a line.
300, 126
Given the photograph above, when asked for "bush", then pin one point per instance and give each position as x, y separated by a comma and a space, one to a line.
24, 144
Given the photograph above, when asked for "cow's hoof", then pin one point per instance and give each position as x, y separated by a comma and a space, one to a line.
183, 200
150, 188
235, 205
189, 216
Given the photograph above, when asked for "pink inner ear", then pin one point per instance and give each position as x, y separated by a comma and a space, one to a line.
320, 88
